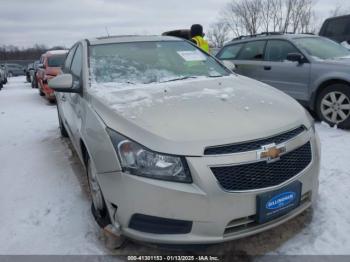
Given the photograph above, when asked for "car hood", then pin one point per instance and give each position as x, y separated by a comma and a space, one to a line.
184, 117
337, 61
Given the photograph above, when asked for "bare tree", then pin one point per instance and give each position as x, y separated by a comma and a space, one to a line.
233, 22
276, 18
253, 16
267, 14
245, 15
218, 34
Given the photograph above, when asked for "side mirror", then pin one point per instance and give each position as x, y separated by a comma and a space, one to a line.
63, 83
41, 66
295, 57
230, 65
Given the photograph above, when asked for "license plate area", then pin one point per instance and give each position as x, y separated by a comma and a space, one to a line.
273, 204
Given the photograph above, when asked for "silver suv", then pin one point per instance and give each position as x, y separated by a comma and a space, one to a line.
314, 70
177, 148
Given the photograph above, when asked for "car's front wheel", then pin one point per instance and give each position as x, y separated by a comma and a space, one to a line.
98, 207
63, 130
333, 105
41, 93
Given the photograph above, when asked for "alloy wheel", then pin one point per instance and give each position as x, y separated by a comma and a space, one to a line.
335, 107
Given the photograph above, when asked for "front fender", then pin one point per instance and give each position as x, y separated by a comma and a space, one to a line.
324, 80
98, 142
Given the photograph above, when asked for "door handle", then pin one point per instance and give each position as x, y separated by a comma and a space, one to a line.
267, 68
63, 98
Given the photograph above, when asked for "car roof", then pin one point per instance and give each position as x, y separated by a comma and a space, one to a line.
337, 17
56, 52
245, 39
130, 38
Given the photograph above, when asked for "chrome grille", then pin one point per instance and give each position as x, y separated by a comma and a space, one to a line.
262, 174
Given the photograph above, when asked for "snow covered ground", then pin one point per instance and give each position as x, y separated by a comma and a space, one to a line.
45, 206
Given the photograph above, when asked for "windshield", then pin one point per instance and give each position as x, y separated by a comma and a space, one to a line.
56, 61
149, 62
322, 48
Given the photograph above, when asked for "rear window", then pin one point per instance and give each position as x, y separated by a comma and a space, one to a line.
337, 27
56, 61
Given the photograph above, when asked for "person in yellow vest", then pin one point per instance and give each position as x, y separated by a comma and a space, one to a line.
197, 37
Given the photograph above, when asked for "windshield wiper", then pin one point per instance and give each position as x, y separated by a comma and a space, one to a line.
178, 79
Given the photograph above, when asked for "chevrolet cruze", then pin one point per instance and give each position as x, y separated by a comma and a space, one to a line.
177, 148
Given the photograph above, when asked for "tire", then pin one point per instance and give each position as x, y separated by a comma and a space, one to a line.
63, 130
41, 93
98, 205
5, 82
333, 105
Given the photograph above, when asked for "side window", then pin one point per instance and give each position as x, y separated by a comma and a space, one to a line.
68, 60
77, 62
252, 51
277, 50
230, 52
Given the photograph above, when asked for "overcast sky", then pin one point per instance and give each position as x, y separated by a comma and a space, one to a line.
62, 22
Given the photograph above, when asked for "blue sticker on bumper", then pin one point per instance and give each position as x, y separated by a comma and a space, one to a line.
271, 205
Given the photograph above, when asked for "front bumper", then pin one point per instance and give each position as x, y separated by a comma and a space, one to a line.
49, 93
216, 215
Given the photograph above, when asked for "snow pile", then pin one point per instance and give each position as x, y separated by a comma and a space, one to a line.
329, 231
126, 96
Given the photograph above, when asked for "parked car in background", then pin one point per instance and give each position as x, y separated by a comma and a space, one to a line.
177, 148
337, 29
29, 68
2, 78
33, 78
15, 70
50, 66
4, 69
312, 69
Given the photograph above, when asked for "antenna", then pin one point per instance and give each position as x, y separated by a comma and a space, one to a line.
107, 31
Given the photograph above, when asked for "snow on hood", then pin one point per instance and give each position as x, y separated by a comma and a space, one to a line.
185, 116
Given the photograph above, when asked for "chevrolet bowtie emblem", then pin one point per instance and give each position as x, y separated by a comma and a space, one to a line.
271, 153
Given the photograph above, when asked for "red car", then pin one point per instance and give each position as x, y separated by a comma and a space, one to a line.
50, 66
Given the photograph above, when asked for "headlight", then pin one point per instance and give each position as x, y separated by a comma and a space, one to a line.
138, 160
